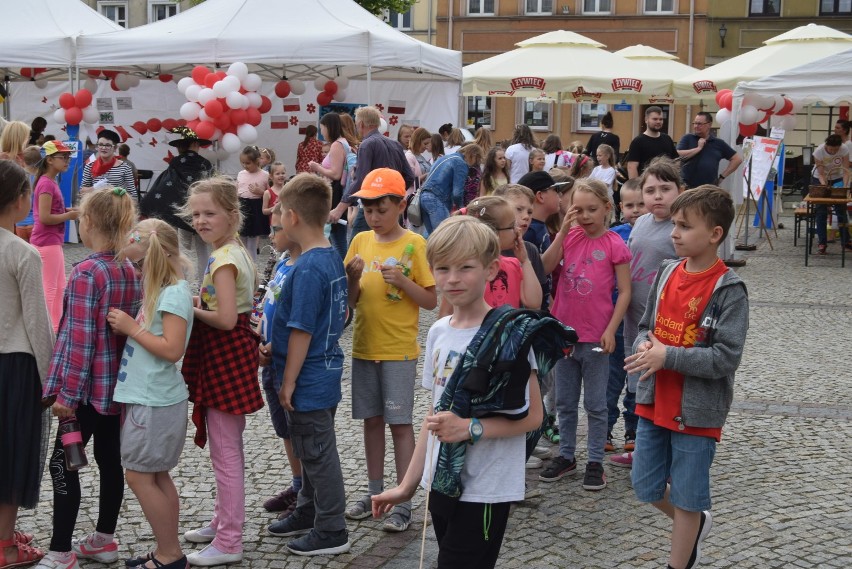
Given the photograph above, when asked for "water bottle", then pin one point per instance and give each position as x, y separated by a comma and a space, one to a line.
393, 292
72, 444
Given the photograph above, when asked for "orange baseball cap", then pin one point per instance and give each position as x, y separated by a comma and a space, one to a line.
381, 182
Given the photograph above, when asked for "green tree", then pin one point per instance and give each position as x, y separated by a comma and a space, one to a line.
374, 6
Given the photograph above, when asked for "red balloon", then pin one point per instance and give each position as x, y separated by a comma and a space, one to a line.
154, 125
238, 117
787, 108
282, 89
719, 96
66, 101
224, 104
253, 116
94, 73
205, 129
210, 80
324, 99
726, 100
748, 129
192, 125
109, 74
165, 77
220, 75
265, 104
83, 98
330, 87
223, 122
182, 122
170, 124
38, 70
213, 108
140, 127
27, 71
73, 116
113, 85
199, 72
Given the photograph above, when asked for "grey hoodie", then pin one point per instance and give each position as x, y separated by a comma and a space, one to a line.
709, 366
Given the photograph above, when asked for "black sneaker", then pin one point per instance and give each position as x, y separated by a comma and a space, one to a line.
321, 543
558, 467
294, 524
595, 478
703, 530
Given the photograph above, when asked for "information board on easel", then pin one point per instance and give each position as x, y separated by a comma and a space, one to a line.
759, 154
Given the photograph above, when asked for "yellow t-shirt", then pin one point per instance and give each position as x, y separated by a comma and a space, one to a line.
387, 329
230, 254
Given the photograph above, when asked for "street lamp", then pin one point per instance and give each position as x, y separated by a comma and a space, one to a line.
723, 32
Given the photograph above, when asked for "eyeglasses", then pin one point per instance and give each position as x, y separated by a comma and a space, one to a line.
273, 229
106, 145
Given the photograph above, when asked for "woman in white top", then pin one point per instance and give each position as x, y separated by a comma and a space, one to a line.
518, 152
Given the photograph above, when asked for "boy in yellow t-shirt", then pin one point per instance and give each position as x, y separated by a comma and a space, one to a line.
389, 281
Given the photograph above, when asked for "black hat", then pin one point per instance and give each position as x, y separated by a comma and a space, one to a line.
187, 135
110, 135
539, 181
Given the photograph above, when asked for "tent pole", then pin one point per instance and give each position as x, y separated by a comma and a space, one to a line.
559, 114
7, 86
369, 83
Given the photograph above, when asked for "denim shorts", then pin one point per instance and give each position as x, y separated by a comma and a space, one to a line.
276, 411
661, 453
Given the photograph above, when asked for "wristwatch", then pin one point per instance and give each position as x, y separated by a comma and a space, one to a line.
721, 176
475, 430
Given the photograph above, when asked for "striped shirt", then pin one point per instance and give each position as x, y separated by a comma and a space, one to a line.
120, 175
87, 354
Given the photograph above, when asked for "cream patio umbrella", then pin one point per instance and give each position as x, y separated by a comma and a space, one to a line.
796, 47
652, 62
561, 65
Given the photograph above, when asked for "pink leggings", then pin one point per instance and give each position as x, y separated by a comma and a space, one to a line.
225, 435
53, 278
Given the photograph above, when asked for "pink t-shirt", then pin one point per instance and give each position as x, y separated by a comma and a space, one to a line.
244, 179
506, 288
583, 297
44, 235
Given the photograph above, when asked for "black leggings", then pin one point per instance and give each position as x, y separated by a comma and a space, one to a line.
469, 533
106, 430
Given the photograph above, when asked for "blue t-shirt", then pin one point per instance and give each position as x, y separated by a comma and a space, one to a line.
623, 231
313, 299
703, 168
273, 292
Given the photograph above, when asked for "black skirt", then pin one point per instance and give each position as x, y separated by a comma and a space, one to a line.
24, 430
255, 223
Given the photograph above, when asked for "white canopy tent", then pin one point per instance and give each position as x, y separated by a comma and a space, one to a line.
278, 38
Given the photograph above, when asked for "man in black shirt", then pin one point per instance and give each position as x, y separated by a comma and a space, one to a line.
650, 144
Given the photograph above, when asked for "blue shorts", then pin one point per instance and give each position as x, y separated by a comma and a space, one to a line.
662, 454
276, 411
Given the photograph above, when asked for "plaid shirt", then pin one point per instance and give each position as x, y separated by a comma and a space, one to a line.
87, 354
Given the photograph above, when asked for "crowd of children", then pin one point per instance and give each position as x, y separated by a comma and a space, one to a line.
628, 287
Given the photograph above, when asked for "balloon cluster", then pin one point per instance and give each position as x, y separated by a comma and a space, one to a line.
331, 90
156, 125
224, 106
36, 74
756, 109
76, 108
117, 80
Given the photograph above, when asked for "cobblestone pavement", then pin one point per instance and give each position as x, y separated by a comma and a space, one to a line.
781, 477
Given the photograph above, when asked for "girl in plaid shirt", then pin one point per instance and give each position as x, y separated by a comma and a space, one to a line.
220, 365
83, 373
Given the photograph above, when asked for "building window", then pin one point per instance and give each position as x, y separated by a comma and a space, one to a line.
480, 7
764, 8
835, 7
659, 6
597, 6
539, 7
115, 11
400, 21
478, 112
537, 113
587, 117
162, 10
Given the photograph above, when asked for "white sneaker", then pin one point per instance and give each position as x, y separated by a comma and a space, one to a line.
50, 562
210, 556
534, 462
84, 548
201, 535
541, 451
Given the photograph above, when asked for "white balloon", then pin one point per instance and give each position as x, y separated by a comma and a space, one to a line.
320, 82
59, 116
206, 95
788, 122
91, 85
123, 82
723, 116
752, 99
233, 83
231, 143
40, 82
383, 125
247, 133
762, 102
192, 92
189, 111
252, 82
748, 115
297, 87
91, 115
134, 80
235, 99
340, 96
779, 103
221, 88
342, 82
202, 116
254, 99
184, 84
238, 70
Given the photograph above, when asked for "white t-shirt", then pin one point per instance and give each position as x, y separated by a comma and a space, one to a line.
554, 160
832, 164
451, 149
520, 158
605, 175
493, 468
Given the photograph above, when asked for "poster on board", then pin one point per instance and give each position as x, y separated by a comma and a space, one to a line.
759, 155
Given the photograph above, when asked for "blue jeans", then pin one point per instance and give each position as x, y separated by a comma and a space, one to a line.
617, 380
821, 212
271, 387
357, 225
662, 453
337, 237
586, 370
433, 211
